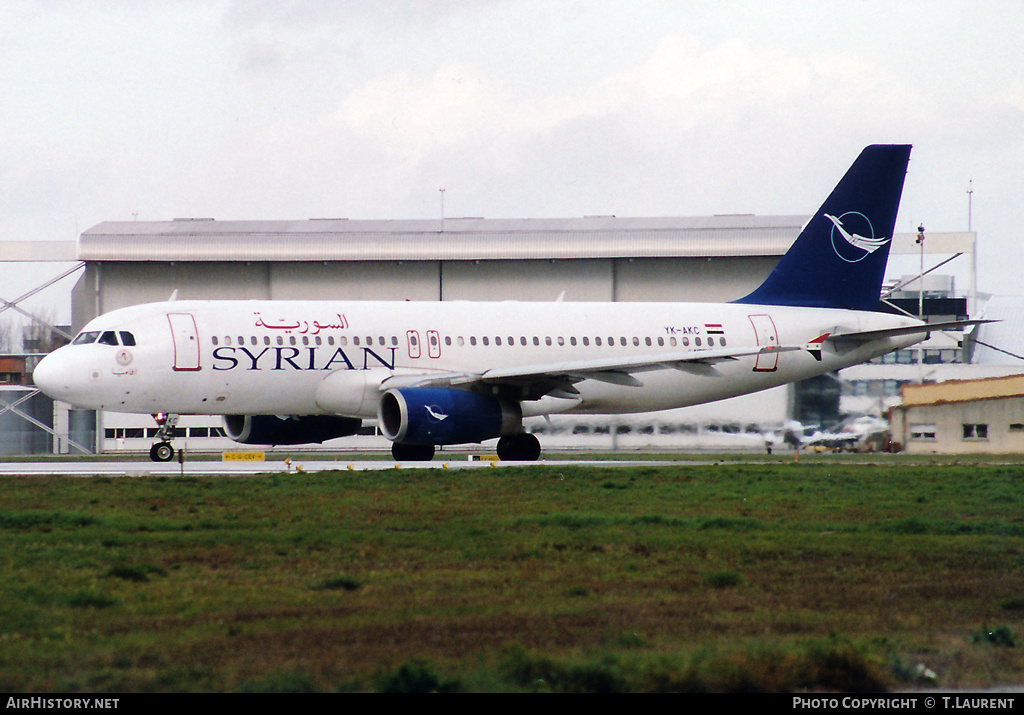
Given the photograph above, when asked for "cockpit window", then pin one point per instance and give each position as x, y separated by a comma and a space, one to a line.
106, 337
86, 338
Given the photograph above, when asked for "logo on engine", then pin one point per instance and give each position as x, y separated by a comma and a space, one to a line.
433, 411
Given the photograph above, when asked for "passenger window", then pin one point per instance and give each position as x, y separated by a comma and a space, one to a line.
696, 341
108, 338
214, 340
127, 339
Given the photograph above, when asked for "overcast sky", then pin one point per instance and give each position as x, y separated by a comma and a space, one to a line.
269, 109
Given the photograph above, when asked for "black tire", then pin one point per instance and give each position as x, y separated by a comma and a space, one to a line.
412, 452
522, 447
161, 452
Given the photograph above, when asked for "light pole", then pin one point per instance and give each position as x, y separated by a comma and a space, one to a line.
442, 208
920, 277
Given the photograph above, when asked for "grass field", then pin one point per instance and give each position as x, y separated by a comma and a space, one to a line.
722, 576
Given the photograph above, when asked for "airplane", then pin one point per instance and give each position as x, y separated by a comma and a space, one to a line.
458, 372
855, 433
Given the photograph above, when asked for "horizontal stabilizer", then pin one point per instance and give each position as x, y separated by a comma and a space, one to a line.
866, 336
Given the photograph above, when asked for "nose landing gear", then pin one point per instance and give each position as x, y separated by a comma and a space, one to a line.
163, 451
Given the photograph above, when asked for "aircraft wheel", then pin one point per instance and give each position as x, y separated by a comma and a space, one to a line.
522, 447
412, 452
161, 452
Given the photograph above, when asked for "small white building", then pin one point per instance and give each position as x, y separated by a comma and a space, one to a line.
961, 416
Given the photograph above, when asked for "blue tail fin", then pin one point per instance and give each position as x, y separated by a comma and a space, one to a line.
838, 260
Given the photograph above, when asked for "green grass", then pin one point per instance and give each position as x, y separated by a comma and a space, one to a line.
756, 576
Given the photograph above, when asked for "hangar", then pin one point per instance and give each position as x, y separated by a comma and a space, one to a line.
594, 258
600, 258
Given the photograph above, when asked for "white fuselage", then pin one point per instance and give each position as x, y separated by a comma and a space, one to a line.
273, 357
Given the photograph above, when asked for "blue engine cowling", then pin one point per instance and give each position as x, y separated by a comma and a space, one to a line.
271, 429
440, 415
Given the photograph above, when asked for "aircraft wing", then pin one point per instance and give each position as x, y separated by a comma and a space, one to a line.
557, 379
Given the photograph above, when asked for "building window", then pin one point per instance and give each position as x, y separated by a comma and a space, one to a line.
1017, 426
922, 432
975, 431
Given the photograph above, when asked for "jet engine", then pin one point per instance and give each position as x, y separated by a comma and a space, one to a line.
440, 415
284, 429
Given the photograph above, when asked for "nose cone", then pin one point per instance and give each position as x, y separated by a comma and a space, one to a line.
53, 375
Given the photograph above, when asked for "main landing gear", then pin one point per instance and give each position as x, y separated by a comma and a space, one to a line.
163, 451
522, 447
412, 452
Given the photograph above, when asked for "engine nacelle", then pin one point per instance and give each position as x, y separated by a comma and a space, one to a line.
272, 429
440, 415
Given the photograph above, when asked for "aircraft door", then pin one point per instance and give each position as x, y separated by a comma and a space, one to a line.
412, 337
186, 341
433, 344
765, 333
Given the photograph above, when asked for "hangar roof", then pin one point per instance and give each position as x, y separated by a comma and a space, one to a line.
424, 240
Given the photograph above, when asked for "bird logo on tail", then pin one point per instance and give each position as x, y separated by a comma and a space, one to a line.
854, 247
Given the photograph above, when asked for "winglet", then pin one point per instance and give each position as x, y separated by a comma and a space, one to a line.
838, 260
